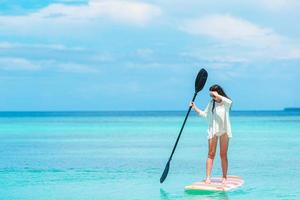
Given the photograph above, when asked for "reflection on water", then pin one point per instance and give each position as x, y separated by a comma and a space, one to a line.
195, 195
207, 195
164, 195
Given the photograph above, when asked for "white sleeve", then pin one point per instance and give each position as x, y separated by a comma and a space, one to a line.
227, 102
205, 112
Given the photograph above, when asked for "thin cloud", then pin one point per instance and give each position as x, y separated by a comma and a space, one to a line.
280, 5
19, 64
228, 28
59, 47
96, 11
239, 40
75, 68
23, 64
145, 53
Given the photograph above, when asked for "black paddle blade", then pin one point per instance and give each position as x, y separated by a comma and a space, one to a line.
200, 80
165, 173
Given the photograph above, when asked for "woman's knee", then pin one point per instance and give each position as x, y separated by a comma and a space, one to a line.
223, 155
211, 154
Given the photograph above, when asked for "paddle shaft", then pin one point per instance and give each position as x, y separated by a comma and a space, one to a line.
187, 114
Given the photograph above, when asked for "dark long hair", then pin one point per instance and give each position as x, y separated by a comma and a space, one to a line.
220, 91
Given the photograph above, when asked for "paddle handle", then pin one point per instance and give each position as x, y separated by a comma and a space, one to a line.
186, 116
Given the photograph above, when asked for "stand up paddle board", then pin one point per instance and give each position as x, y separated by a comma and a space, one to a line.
216, 184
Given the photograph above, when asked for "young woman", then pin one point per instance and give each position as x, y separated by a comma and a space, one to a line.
217, 113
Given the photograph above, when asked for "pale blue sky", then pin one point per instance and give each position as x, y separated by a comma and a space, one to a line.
144, 55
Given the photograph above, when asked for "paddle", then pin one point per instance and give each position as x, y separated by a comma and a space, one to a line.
199, 84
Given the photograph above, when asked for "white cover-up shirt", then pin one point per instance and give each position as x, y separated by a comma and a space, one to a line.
218, 121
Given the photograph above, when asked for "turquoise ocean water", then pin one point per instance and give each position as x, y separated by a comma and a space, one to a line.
121, 155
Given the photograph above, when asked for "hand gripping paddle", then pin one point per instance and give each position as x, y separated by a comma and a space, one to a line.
199, 84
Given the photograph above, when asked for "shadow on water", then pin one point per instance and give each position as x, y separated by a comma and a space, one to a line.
164, 195
197, 195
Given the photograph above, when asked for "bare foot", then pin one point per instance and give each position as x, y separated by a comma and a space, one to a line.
224, 180
207, 180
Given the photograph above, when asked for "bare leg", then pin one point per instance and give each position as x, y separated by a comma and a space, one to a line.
224, 141
212, 145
